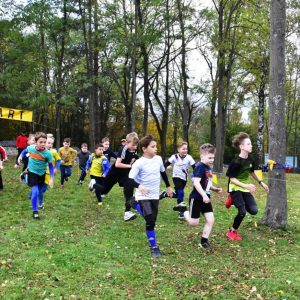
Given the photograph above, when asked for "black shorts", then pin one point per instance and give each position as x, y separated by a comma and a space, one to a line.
197, 206
179, 183
240, 198
149, 207
35, 179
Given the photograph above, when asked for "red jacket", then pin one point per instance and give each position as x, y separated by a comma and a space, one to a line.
21, 141
3, 155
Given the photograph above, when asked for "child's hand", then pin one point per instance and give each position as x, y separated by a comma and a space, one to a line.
144, 191
218, 190
251, 187
266, 188
51, 182
1, 167
205, 198
169, 191
55, 170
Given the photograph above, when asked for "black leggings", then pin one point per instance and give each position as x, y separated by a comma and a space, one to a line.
150, 211
244, 202
113, 177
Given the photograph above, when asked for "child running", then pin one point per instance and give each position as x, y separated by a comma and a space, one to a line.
119, 174
99, 166
83, 156
68, 156
145, 177
199, 201
107, 152
239, 186
55, 163
181, 163
3, 157
25, 158
39, 158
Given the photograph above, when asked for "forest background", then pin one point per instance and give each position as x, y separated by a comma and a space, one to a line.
177, 69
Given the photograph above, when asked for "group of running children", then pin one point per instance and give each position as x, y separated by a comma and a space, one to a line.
41, 161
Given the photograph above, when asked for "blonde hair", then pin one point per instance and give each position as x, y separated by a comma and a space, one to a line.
182, 143
132, 137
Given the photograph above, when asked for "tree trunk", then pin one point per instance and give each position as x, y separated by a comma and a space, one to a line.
186, 115
276, 209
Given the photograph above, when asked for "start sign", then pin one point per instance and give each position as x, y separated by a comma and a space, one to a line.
15, 114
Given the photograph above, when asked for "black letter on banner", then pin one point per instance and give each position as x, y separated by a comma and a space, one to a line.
21, 114
0, 111
11, 113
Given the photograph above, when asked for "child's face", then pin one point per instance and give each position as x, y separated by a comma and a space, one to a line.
49, 143
106, 145
131, 146
99, 151
151, 150
41, 144
66, 144
246, 145
31, 141
84, 149
208, 158
183, 150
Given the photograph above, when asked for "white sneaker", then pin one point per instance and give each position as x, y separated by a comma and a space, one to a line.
129, 215
91, 184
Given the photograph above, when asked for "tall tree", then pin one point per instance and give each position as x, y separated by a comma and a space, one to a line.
276, 209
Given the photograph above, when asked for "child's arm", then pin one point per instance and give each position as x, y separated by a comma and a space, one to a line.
1, 165
120, 165
169, 190
106, 166
216, 189
113, 154
51, 169
198, 187
88, 163
266, 188
249, 186
22, 155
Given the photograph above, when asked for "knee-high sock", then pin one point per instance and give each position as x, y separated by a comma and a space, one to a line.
34, 197
43, 189
138, 208
151, 237
180, 195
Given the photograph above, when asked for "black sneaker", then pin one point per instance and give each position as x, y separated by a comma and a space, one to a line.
66, 179
35, 215
181, 215
155, 252
205, 245
40, 207
180, 207
163, 195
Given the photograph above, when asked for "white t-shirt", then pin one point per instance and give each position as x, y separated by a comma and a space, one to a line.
146, 171
181, 165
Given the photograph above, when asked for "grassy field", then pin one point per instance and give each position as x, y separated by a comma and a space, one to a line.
79, 250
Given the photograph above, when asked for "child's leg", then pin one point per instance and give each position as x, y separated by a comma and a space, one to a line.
108, 183
193, 214
150, 211
98, 194
209, 222
62, 174
34, 197
238, 201
179, 188
42, 190
68, 172
251, 206
128, 193
83, 174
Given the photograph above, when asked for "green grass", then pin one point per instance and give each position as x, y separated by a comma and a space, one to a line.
79, 250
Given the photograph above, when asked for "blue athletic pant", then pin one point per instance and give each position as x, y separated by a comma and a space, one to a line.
65, 172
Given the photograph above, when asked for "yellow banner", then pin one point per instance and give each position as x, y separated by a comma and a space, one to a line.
15, 114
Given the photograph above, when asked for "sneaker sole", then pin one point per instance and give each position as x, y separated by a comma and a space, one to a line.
130, 219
